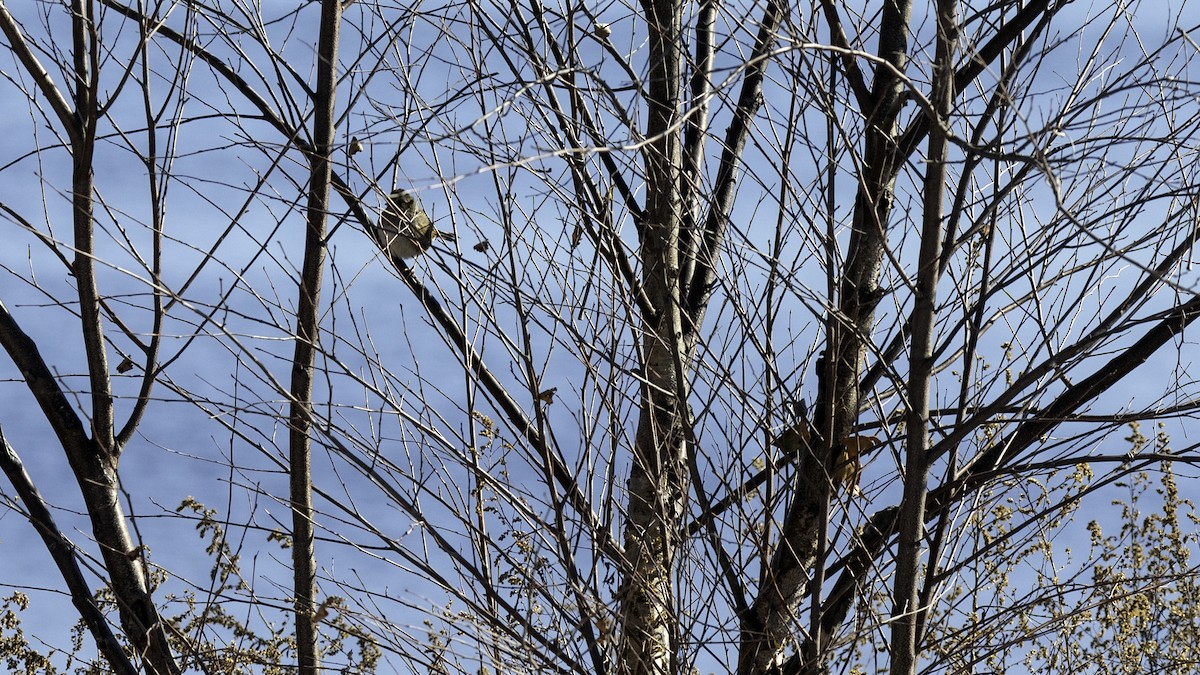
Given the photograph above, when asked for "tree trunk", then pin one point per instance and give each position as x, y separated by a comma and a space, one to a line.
658, 476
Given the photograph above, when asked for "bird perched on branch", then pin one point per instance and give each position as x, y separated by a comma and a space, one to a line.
847, 455
405, 230
796, 438
848, 467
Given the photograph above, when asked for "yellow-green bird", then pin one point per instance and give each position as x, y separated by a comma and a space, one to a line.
405, 230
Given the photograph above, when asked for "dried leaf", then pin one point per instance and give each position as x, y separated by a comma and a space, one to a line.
323, 610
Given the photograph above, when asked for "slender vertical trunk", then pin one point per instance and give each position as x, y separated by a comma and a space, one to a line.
771, 626
859, 288
94, 460
83, 31
906, 613
307, 328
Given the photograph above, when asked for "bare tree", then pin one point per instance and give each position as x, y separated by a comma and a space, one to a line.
771, 333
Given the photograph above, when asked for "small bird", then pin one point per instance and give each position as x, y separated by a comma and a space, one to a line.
405, 230
848, 468
847, 463
796, 439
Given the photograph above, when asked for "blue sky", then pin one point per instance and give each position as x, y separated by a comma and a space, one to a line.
395, 395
